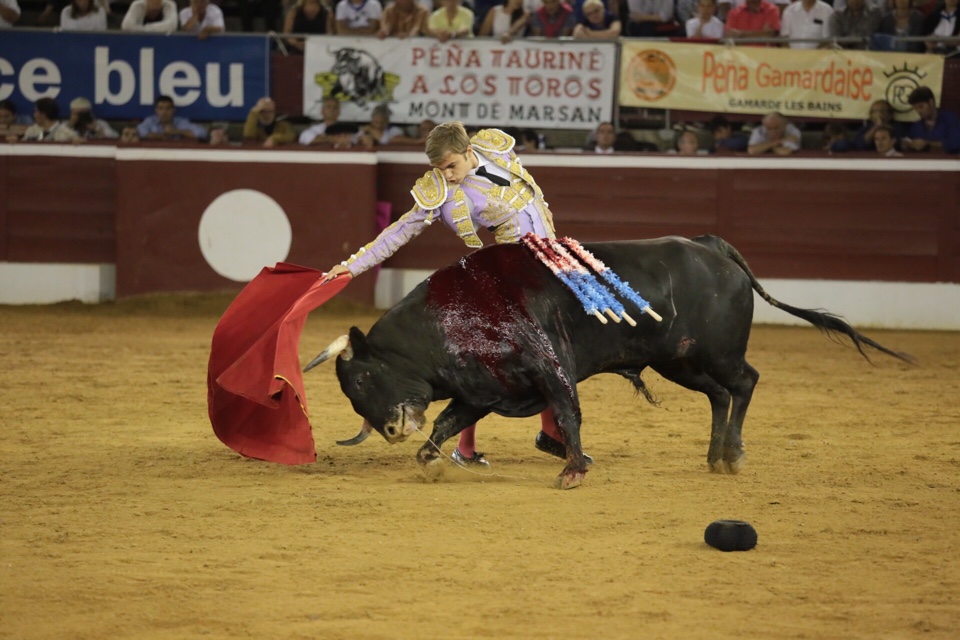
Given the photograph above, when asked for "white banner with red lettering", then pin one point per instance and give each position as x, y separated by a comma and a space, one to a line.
539, 84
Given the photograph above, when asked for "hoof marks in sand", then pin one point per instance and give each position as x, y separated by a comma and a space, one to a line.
433, 469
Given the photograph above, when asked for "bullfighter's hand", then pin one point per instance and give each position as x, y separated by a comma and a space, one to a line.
335, 271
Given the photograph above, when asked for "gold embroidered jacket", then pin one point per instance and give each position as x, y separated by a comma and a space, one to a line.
508, 211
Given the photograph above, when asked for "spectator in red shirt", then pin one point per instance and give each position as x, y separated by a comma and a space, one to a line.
555, 19
753, 19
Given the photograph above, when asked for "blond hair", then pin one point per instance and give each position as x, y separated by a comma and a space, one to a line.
446, 138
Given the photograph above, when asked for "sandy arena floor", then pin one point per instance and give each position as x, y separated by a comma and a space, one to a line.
124, 517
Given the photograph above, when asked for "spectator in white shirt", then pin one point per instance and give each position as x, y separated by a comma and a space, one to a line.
606, 137
775, 135
806, 19
379, 131
83, 15
88, 125
361, 17
151, 16
202, 18
705, 24
47, 125
943, 22
317, 134
9, 13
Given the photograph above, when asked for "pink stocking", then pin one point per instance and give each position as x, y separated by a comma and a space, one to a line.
468, 444
549, 426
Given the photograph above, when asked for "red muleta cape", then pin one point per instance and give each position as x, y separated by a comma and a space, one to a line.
255, 393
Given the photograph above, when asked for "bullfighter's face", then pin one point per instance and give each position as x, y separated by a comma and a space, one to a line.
456, 166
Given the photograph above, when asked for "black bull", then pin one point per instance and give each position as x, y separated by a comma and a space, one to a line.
497, 332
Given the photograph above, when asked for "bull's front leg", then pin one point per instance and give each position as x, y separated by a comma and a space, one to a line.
451, 421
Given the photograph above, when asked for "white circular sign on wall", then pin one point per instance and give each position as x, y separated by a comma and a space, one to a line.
243, 231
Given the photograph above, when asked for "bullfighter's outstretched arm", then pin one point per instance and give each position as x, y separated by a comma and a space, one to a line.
428, 193
409, 226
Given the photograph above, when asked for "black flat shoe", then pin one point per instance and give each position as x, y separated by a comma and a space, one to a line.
554, 447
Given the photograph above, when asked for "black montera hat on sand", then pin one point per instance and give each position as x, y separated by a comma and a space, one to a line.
730, 535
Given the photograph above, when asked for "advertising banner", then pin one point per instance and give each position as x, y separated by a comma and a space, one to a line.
122, 75
810, 83
541, 84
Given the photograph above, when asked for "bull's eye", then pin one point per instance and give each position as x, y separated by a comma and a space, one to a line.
359, 382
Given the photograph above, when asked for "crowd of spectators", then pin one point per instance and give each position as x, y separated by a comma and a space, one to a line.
903, 25
936, 130
798, 24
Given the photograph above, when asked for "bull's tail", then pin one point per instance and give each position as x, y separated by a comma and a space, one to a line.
829, 323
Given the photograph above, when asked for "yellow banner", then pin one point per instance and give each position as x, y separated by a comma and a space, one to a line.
796, 82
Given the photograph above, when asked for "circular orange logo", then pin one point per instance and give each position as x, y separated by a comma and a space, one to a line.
651, 75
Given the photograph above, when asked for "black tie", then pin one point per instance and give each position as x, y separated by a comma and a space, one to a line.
492, 177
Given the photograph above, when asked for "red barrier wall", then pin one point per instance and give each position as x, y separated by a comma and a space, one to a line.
832, 224
57, 209
826, 219
159, 206
4, 189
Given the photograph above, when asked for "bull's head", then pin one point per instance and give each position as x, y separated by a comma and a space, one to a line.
390, 401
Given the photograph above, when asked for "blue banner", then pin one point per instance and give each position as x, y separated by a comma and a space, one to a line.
219, 78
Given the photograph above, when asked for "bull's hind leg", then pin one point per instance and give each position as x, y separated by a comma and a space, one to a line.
741, 386
563, 401
685, 375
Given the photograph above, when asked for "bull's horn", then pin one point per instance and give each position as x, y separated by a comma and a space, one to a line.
360, 437
340, 346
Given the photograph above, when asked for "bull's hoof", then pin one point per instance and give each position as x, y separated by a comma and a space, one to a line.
433, 469
728, 467
427, 454
569, 479
733, 467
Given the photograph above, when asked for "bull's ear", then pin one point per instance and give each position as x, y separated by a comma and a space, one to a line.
358, 342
